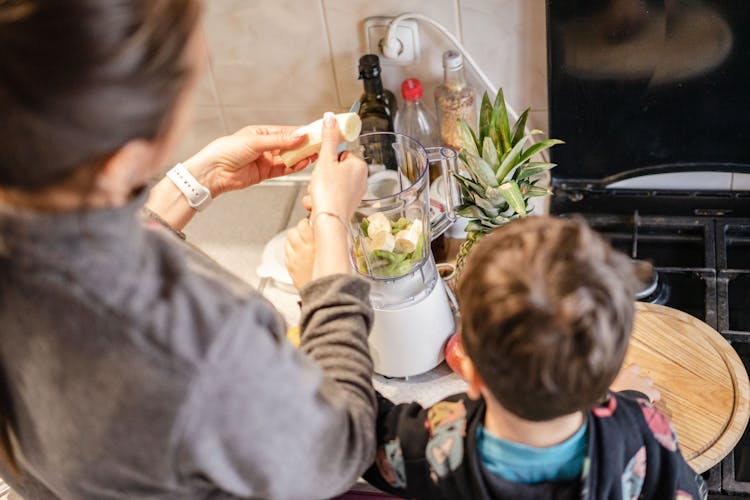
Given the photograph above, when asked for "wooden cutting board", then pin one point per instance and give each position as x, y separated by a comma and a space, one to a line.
703, 384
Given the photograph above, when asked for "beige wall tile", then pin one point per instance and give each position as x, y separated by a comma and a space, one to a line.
238, 117
345, 20
205, 93
538, 119
508, 40
270, 53
206, 125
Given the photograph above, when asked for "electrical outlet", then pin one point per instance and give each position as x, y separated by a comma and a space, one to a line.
407, 33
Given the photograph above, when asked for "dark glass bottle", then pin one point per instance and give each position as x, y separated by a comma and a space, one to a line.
377, 109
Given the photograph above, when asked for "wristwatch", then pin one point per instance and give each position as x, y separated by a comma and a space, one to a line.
198, 196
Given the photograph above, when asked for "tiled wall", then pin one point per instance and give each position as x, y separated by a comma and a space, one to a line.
288, 61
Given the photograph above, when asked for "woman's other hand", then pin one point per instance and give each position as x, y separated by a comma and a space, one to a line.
335, 191
247, 157
630, 378
338, 183
299, 253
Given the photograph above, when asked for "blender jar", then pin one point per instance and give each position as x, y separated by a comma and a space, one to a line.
393, 227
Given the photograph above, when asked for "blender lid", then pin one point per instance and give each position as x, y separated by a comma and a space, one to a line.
659, 88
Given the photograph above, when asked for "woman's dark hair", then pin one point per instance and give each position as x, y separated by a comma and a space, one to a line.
547, 309
81, 78
78, 80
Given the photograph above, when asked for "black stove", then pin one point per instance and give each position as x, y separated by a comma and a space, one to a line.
639, 87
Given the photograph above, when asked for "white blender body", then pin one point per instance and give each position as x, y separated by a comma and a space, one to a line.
413, 315
409, 339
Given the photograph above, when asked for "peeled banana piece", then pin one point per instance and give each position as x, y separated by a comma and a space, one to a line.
349, 126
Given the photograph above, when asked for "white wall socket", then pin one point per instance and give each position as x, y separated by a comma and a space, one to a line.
407, 32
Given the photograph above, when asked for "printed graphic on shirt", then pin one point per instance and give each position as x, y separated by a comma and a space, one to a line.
446, 422
390, 462
634, 475
606, 408
659, 425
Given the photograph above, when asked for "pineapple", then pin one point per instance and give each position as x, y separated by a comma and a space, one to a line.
502, 177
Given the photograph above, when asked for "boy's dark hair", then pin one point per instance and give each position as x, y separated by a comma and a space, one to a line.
547, 310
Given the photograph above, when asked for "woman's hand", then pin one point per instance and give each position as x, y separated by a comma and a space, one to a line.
630, 378
247, 157
299, 253
233, 162
338, 182
335, 192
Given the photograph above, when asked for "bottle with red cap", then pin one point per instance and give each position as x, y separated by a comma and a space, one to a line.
414, 118
418, 122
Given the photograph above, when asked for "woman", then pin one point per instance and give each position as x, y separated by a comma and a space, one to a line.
131, 366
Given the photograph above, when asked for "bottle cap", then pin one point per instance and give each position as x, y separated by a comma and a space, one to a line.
411, 89
369, 66
452, 59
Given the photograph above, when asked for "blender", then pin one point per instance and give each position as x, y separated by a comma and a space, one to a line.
392, 230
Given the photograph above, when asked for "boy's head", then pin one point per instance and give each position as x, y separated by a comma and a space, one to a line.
547, 310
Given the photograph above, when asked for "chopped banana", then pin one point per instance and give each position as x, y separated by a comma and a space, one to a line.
378, 223
382, 240
406, 241
416, 226
349, 124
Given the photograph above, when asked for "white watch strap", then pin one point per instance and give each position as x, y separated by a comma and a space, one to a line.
198, 195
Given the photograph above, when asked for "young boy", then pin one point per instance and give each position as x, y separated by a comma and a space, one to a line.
547, 308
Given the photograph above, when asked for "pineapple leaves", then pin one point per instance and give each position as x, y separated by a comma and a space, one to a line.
489, 153
470, 211
485, 114
534, 168
511, 160
468, 139
480, 171
468, 184
475, 226
531, 191
539, 146
501, 175
500, 118
512, 194
519, 129
493, 196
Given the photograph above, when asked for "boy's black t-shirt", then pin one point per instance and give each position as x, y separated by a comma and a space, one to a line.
632, 452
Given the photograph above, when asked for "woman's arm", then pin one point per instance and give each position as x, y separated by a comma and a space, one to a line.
229, 163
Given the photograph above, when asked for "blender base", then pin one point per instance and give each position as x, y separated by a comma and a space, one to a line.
410, 341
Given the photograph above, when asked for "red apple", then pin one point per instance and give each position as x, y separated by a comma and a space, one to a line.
454, 352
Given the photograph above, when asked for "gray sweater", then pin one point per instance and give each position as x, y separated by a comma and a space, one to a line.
131, 366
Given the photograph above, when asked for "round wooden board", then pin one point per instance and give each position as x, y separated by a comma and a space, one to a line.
703, 384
